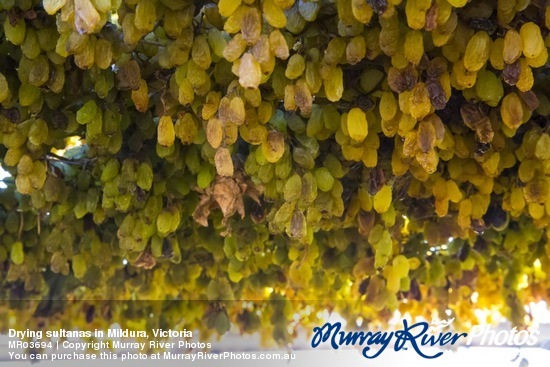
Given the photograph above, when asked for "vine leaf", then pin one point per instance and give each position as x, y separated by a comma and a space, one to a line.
226, 193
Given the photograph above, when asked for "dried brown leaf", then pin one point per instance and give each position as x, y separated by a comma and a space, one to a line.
202, 211
229, 197
226, 193
145, 260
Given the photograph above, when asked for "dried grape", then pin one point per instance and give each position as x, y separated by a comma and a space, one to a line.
281, 150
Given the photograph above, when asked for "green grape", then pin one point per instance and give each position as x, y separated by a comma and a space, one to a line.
25, 165
251, 167
284, 213
94, 128
401, 266
205, 176
144, 177
357, 124
315, 123
111, 122
15, 33
393, 283
52, 6
38, 133
3, 254
266, 173
87, 112
79, 265
31, 46
53, 189
334, 84
228, 7
283, 167
370, 78
80, 207
235, 48
489, 88
28, 94
309, 187
192, 161
17, 253
300, 274
11, 223
383, 199
217, 42
222, 324
145, 16
234, 270
4, 88
103, 54
293, 188
324, 179
200, 53
111, 170
165, 131
295, 67
56, 80
92, 198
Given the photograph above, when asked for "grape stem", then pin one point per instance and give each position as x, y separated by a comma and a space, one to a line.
38, 228
152, 42
21, 223
76, 162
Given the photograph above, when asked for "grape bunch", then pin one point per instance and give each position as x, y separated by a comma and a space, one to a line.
234, 163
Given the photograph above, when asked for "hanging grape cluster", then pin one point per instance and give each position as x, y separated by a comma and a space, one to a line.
362, 156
